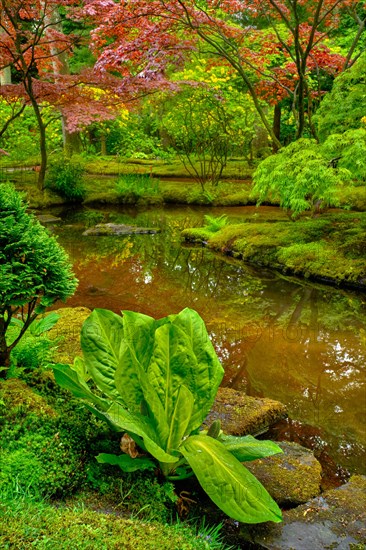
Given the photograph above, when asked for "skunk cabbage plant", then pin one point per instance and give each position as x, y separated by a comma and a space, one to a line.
156, 380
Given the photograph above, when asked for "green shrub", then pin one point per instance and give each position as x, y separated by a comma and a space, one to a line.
34, 270
66, 178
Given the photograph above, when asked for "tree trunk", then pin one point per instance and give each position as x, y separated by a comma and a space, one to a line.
5, 76
276, 125
4, 353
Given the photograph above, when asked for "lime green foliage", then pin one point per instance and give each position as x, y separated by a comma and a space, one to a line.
133, 187
300, 176
26, 524
344, 108
34, 270
349, 151
35, 349
215, 223
24, 130
157, 382
309, 176
66, 178
332, 247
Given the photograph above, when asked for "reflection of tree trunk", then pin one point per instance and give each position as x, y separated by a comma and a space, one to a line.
299, 306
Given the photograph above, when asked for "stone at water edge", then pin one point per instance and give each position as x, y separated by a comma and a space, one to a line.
291, 478
108, 229
334, 521
241, 414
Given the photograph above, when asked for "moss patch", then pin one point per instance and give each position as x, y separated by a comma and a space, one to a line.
41, 526
331, 248
19, 399
67, 332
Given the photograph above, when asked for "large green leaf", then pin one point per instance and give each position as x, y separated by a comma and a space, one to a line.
248, 448
134, 423
70, 379
205, 373
136, 349
227, 482
169, 365
125, 462
180, 417
101, 338
138, 332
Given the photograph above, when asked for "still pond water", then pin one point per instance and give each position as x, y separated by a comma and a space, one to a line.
301, 343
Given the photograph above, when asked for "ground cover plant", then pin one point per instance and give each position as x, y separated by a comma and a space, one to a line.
157, 380
34, 270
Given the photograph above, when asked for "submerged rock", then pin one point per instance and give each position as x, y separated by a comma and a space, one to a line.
336, 520
48, 218
291, 478
107, 229
241, 414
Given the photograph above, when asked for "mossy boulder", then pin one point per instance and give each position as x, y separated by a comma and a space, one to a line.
241, 414
291, 478
334, 520
67, 332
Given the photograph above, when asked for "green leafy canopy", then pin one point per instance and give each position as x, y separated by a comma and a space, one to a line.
157, 381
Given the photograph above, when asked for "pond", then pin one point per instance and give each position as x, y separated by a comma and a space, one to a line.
278, 337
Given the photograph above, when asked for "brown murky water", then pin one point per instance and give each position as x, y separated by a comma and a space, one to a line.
301, 343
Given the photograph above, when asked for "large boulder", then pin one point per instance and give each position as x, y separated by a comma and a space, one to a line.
291, 478
336, 520
241, 414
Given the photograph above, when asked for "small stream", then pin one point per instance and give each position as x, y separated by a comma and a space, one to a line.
280, 337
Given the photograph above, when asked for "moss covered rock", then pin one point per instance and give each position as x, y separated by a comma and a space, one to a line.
291, 478
241, 415
67, 332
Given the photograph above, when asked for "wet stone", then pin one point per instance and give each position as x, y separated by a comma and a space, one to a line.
291, 478
241, 414
107, 229
48, 218
335, 521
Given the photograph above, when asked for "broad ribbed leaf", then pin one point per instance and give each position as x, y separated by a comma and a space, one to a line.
138, 330
135, 352
227, 482
134, 423
180, 417
70, 379
248, 447
125, 462
101, 338
169, 365
128, 378
205, 373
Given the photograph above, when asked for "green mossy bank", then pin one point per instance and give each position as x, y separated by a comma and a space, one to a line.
330, 248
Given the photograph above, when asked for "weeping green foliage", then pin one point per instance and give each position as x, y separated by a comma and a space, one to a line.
300, 176
157, 380
344, 108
